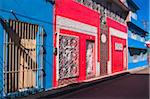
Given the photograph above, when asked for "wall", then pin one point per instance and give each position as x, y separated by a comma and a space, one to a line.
117, 34
81, 21
1, 60
136, 37
138, 42
37, 12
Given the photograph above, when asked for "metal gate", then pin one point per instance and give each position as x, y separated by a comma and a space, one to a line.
68, 59
23, 68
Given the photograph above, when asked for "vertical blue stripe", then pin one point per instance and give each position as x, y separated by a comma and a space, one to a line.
1, 59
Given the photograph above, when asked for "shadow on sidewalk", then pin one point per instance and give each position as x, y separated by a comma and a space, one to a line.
124, 78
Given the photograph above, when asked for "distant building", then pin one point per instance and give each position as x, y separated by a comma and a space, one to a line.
137, 49
148, 49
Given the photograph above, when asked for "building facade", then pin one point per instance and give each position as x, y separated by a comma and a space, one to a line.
81, 24
76, 33
55, 43
113, 16
26, 47
148, 50
137, 49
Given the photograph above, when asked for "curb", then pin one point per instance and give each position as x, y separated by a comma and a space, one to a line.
138, 69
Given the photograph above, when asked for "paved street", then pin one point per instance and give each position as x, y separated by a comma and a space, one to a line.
134, 85
130, 86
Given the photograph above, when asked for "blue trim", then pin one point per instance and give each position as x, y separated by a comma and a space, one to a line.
38, 58
1, 60
136, 44
138, 64
137, 26
23, 93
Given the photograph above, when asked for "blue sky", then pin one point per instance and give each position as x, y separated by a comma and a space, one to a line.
144, 11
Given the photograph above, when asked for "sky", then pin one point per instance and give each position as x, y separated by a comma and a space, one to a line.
144, 11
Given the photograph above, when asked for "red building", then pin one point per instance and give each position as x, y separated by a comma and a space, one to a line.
113, 36
117, 45
90, 40
76, 34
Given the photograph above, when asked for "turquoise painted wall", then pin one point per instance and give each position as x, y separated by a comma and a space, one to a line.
139, 44
37, 12
1, 60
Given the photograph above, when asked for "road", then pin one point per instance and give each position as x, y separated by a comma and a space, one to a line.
133, 85
130, 86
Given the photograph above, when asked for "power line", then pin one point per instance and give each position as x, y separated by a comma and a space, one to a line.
47, 22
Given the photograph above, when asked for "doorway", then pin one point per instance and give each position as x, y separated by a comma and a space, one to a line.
22, 56
90, 59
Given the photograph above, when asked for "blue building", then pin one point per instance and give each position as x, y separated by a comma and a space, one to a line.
26, 46
148, 46
137, 49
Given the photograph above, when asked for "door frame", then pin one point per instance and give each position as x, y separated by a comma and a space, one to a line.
82, 55
90, 39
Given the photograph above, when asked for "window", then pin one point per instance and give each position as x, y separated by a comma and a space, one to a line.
20, 55
134, 16
138, 54
135, 58
142, 39
142, 57
143, 54
133, 35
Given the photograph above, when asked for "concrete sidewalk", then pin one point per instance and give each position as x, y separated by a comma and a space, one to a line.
145, 70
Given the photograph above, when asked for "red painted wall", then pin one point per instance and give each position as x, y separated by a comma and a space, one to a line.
82, 48
117, 56
116, 25
75, 11
78, 12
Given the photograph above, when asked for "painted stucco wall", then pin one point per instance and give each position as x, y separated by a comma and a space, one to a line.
136, 42
75, 17
117, 34
37, 12
1, 60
